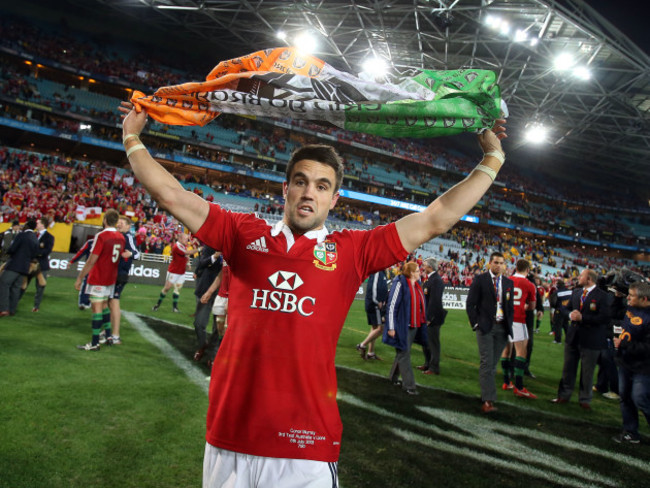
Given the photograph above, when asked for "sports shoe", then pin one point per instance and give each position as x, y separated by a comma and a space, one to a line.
507, 386
155, 308
412, 391
626, 438
116, 340
611, 395
370, 357
523, 393
176, 310
362, 350
89, 347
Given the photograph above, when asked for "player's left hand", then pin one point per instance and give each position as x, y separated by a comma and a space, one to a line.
77, 285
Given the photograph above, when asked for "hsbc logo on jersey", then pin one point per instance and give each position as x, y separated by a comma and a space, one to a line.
280, 299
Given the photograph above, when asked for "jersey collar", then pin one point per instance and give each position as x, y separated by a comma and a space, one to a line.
319, 235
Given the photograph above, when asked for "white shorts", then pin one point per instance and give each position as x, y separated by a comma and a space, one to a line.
519, 332
228, 469
220, 304
99, 292
175, 279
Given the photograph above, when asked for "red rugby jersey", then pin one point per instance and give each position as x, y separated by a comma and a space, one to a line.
179, 259
108, 246
525, 292
273, 387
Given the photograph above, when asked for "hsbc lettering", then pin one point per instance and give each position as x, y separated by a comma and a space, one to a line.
283, 301
278, 301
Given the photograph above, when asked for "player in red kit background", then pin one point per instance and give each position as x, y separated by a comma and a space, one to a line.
176, 271
273, 415
525, 295
101, 269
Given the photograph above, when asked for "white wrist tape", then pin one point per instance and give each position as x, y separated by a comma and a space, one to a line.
488, 171
135, 148
129, 136
496, 154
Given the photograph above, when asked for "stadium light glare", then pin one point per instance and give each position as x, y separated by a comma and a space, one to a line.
534, 41
564, 61
536, 133
305, 43
504, 28
375, 67
521, 35
582, 72
281, 35
492, 21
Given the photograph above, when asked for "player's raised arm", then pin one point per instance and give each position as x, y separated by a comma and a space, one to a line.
417, 228
187, 207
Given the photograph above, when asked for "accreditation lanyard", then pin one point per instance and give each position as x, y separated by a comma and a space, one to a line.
499, 291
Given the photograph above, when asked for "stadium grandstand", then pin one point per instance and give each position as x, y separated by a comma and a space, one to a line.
576, 197
57, 109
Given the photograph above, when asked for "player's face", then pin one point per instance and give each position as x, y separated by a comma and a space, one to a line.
309, 196
497, 265
121, 226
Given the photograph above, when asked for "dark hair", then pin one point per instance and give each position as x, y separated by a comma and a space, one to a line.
495, 254
30, 224
523, 265
45, 221
321, 153
111, 217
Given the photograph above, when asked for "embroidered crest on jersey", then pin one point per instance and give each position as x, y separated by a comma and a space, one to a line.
326, 256
636, 321
258, 245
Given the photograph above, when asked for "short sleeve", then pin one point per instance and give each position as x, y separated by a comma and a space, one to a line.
219, 231
377, 249
98, 244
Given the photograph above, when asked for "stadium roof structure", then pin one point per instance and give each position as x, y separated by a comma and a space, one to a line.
596, 108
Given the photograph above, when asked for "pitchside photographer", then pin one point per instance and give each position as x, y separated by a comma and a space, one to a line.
633, 358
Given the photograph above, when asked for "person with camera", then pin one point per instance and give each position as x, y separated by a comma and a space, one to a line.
633, 358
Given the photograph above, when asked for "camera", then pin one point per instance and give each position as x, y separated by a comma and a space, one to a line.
620, 280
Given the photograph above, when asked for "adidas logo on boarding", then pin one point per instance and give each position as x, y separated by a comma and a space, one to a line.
258, 245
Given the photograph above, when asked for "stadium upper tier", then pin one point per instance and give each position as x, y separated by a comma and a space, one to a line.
413, 171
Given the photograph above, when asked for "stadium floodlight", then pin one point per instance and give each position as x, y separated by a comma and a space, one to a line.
375, 67
305, 42
176, 7
491, 20
564, 61
521, 35
582, 72
534, 41
281, 35
536, 133
504, 28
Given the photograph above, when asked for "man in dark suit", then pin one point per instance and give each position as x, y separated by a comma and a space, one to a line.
45, 245
490, 308
376, 296
22, 251
585, 338
208, 268
433, 289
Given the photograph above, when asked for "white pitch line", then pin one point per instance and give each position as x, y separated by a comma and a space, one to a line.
479, 433
193, 373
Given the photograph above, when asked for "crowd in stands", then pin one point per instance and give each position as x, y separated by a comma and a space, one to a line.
55, 186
